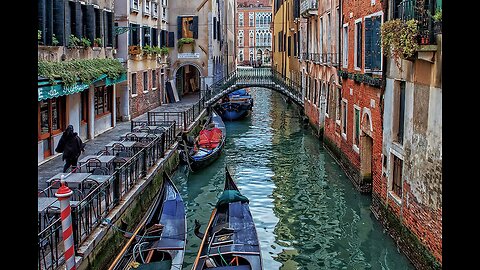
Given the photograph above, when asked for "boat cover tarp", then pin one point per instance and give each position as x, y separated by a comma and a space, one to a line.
239, 267
239, 92
241, 221
230, 196
173, 234
209, 139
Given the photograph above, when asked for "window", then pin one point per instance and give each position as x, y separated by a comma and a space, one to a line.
134, 34
154, 79
320, 43
240, 38
315, 93
344, 117
398, 111
345, 46
102, 100
250, 42
155, 10
133, 83
146, 33
145, 81
358, 44
240, 19
240, 55
187, 27
356, 130
338, 104
397, 176
134, 5
328, 99
329, 36
146, 7
250, 19
373, 55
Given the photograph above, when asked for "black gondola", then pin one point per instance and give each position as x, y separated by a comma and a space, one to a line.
159, 242
204, 153
230, 240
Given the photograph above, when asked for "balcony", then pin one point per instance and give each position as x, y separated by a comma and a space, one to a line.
308, 8
423, 14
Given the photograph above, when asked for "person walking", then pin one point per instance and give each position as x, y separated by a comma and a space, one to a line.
71, 146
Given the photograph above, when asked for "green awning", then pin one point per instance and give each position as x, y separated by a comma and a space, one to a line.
46, 90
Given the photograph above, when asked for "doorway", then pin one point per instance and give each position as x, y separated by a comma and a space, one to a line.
366, 145
51, 119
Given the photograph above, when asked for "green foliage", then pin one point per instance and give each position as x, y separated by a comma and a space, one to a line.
85, 70
186, 41
86, 42
164, 51
54, 40
147, 49
98, 41
39, 35
73, 41
438, 15
399, 39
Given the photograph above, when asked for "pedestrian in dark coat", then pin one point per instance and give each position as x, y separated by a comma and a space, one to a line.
71, 146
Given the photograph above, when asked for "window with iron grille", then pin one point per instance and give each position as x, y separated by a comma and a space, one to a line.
398, 111
145, 81
397, 176
133, 83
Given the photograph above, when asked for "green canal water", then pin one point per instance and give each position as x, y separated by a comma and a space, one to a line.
306, 211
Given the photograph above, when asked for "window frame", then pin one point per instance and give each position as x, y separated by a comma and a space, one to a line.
356, 128
133, 86
356, 54
344, 118
154, 80
106, 101
145, 81
345, 46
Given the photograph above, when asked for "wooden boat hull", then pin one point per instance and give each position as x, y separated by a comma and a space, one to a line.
230, 240
234, 111
153, 248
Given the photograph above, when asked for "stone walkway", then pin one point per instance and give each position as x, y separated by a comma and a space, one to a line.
55, 165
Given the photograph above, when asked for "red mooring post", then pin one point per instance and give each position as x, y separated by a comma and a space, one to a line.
63, 194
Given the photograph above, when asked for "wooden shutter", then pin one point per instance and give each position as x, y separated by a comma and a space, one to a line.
90, 20
162, 38
48, 22
195, 27
59, 20
289, 44
78, 20
154, 37
294, 44
214, 27
98, 24
171, 39
179, 27
368, 43
219, 30
42, 19
110, 29
105, 26
376, 46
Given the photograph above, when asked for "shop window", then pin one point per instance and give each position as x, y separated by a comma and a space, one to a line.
102, 100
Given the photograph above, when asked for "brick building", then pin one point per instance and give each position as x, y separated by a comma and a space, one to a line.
253, 34
353, 117
407, 198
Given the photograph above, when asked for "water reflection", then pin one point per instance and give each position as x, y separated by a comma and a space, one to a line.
307, 214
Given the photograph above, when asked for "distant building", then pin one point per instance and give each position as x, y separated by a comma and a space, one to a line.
81, 31
253, 34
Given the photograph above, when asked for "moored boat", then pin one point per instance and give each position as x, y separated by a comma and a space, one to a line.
208, 144
230, 240
159, 241
236, 105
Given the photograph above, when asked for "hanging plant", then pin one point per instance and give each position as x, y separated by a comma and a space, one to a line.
399, 39
84, 70
186, 41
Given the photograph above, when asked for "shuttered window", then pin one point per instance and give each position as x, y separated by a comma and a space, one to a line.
146, 36
171, 39
397, 176
134, 34
372, 43
187, 27
42, 20
219, 36
99, 25
154, 37
214, 28
59, 21
289, 43
90, 23
358, 45
109, 37
163, 38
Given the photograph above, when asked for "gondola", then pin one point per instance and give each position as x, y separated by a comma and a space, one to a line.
207, 146
159, 242
230, 240
236, 105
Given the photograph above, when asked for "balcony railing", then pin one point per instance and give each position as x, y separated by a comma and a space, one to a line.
412, 9
308, 7
321, 58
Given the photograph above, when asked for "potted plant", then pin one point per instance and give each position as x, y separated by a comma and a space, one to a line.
437, 21
73, 41
54, 40
97, 42
183, 41
39, 36
86, 42
163, 51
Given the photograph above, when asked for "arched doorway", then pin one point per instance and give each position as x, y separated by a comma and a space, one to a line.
366, 147
187, 80
259, 61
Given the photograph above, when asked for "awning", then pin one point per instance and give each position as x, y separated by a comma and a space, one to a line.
46, 90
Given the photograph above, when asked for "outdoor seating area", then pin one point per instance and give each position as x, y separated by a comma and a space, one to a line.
98, 184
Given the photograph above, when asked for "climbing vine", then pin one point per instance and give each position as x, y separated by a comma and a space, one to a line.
399, 39
84, 70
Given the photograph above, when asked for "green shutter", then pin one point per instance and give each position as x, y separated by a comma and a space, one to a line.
42, 19
171, 39
90, 21
59, 20
376, 46
179, 27
195, 27
368, 43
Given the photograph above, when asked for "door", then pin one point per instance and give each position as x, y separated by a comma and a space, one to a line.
366, 157
51, 118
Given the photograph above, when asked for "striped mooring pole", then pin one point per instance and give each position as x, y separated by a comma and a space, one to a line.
63, 194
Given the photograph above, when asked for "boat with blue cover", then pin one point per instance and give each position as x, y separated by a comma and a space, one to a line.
159, 241
235, 105
230, 241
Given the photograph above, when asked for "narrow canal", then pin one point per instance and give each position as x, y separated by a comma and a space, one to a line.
306, 211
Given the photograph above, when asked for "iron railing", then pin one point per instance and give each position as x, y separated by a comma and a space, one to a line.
422, 12
182, 119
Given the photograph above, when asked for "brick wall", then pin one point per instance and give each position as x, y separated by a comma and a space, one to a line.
144, 102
